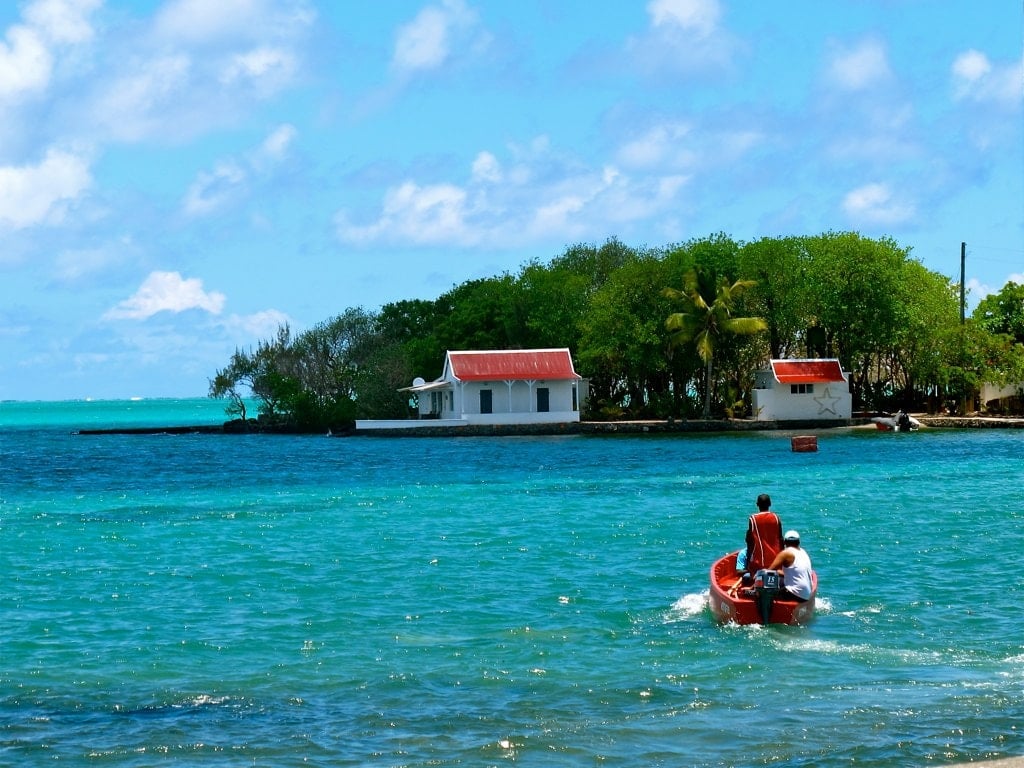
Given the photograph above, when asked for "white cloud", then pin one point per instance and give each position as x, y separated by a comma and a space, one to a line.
558, 216
539, 198
699, 16
26, 55
679, 147
32, 195
429, 214
971, 66
859, 68
259, 325
977, 290
199, 65
203, 22
587, 203
213, 189
25, 62
684, 37
63, 21
875, 204
265, 67
976, 79
140, 102
486, 168
427, 41
73, 265
275, 146
231, 178
166, 292
422, 44
659, 146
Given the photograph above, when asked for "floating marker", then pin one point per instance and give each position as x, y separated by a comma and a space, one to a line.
804, 444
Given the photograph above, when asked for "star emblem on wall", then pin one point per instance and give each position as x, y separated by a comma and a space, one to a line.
827, 402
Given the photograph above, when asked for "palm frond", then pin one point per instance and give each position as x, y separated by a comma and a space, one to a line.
745, 326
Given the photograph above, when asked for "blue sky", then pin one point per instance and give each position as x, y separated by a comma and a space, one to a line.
178, 177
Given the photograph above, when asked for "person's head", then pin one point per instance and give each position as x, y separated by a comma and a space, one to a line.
791, 539
764, 502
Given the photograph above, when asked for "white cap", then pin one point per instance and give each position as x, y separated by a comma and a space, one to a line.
791, 536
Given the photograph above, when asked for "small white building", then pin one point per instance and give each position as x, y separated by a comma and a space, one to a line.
495, 387
802, 389
994, 396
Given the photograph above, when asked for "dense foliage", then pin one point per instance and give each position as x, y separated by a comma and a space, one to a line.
644, 326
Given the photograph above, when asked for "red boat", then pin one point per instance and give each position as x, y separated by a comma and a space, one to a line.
763, 601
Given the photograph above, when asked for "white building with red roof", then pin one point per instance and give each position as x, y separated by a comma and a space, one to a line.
496, 387
802, 389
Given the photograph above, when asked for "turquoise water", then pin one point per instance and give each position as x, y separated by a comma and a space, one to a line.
276, 601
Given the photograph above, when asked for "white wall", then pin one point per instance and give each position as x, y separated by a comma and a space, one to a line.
489, 419
550, 417
509, 405
520, 401
407, 423
827, 401
992, 392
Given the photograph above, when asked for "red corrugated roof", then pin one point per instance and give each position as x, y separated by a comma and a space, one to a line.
807, 371
512, 364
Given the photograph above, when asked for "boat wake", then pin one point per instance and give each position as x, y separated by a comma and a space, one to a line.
688, 607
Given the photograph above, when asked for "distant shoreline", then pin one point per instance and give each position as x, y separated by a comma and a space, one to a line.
639, 427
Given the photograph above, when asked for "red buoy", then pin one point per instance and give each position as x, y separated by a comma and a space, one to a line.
804, 444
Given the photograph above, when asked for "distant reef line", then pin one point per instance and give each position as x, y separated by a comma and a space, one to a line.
643, 427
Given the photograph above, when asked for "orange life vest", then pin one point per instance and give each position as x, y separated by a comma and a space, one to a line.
764, 540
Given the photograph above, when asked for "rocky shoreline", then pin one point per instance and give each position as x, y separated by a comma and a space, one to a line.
645, 427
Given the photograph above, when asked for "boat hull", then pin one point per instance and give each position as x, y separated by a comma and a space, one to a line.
889, 424
728, 602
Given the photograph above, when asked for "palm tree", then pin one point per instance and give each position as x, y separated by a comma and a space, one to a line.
704, 321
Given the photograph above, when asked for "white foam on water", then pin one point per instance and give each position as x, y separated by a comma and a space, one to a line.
688, 606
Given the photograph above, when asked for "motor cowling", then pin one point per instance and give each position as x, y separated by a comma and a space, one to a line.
767, 584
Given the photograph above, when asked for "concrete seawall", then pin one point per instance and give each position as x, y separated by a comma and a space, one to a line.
605, 428
651, 427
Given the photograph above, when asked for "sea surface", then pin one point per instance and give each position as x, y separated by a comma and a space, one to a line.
258, 600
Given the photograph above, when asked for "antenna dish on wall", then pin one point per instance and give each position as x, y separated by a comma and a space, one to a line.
418, 381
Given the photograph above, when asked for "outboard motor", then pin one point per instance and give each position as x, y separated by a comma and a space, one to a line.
767, 584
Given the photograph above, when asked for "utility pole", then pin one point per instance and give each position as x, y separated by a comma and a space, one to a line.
963, 288
963, 296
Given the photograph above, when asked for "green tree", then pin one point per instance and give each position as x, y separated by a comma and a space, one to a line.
481, 314
554, 301
272, 383
1001, 317
622, 346
593, 265
381, 376
927, 329
706, 317
267, 374
1003, 312
413, 325
779, 266
323, 370
854, 296
228, 382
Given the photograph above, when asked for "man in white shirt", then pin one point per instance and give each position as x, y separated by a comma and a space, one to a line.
795, 566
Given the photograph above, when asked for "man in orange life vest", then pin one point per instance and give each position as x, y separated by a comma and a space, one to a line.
764, 504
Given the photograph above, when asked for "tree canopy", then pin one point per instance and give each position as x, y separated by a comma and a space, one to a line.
644, 326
